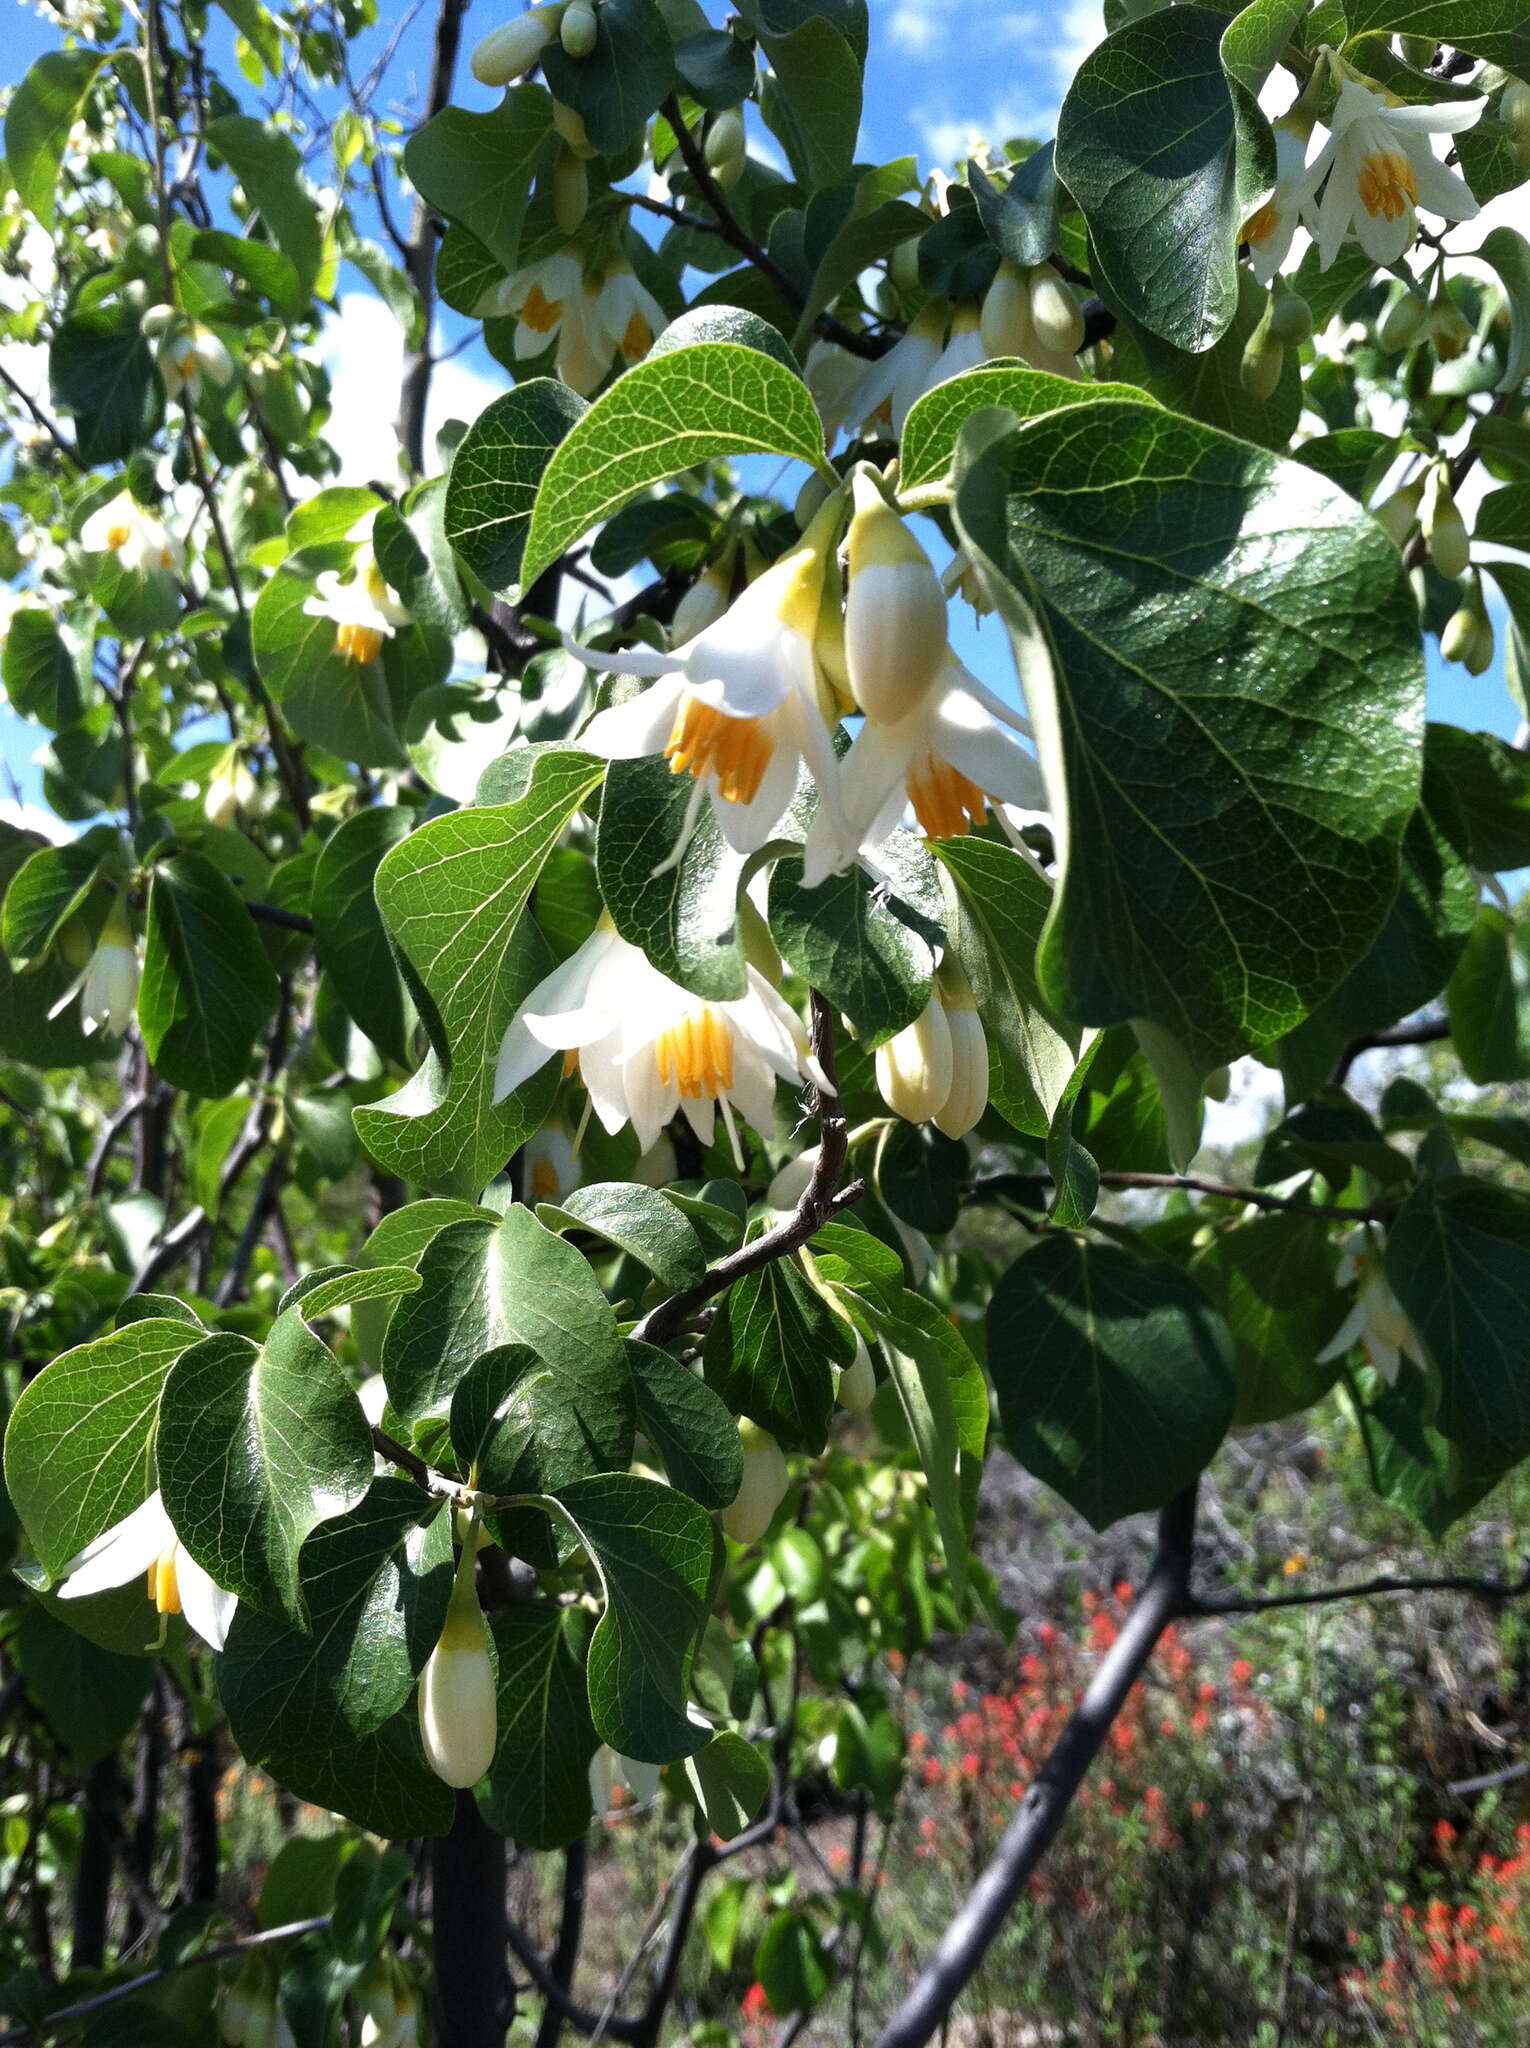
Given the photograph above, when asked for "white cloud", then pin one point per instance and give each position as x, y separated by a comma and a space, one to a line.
362, 348
1055, 44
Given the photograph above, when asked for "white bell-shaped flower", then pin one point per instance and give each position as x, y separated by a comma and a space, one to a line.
459, 1709
363, 609
936, 1069
108, 986
646, 1048
1377, 1320
632, 317
142, 543
1379, 169
1271, 227
892, 383
737, 706
144, 1545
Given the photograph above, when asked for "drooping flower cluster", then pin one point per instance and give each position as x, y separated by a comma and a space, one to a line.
358, 601
595, 317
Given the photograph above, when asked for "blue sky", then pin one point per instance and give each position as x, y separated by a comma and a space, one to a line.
939, 73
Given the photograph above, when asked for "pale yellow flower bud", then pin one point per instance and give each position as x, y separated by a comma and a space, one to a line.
963, 1107
763, 1487
459, 1716
571, 191
578, 28
1398, 514
1514, 113
1263, 360
1450, 547
726, 147
1055, 313
513, 48
915, 1069
895, 615
1005, 321
858, 1382
1403, 321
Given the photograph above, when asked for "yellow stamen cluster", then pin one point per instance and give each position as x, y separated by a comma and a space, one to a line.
118, 536
698, 1052
1387, 184
360, 644
164, 1588
707, 741
540, 313
544, 1181
945, 801
637, 339
1260, 225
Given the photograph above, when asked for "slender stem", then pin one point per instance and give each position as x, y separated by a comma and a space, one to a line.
1360, 1589
1427, 1031
93, 1871
738, 236
991, 1185
50, 427
1045, 1806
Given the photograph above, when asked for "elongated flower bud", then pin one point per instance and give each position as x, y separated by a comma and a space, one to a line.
571, 130
1263, 359
725, 148
109, 993
1448, 328
1403, 321
1055, 313
963, 1107
513, 48
571, 191
1450, 547
1514, 113
858, 1382
230, 787
1397, 514
1468, 633
458, 1708
1005, 322
763, 1487
703, 604
915, 1069
578, 28
895, 615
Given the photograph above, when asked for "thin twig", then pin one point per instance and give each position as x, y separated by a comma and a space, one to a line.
1359, 1589
50, 427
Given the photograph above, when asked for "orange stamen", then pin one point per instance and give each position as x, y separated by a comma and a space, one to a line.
945, 801
698, 1053
544, 1181
360, 644
571, 1063
164, 1588
540, 313
637, 339
1261, 225
1387, 184
707, 741
118, 536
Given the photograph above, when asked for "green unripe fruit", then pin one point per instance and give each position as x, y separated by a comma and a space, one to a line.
1403, 322
1263, 360
1290, 319
1514, 113
726, 147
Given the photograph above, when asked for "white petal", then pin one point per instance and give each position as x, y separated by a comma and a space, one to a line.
747, 827
1444, 118
207, 1608
626, 732
121, 1554
877, 765
1441, 189
1347, 1333
978, 747
631, 661
741, 663
754, 1089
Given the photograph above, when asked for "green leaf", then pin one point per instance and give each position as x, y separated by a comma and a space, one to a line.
335, 1287
400, 1240
791, 1962
1416, 950
258, 29
484, 1285
478, 168
868, 953
1209, 386
1491, 782
638, 1219
1001, 906
946, 1404
79, 1449
259, 1444
45, 678
919, 1174
43, 108
375, 1583
495, 473
538, 1788
452, 896
730, 1779
1486, 999
1492, 29
1113, 1374
1415, 1466
208, 987
381, 1782
935, 421
685, 919
771, 1350
1253, 41
1021, 219
655, 1552
1458, 1258
1503, 518
1234, 748
1165, 188
45, 892
1509, 254
683, 406
1271, 1280
687, 1424
811, 99
876, 222
100, 370
267, 164
623, 80
28, 1030
519, 1421
89, 1698
349, 935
